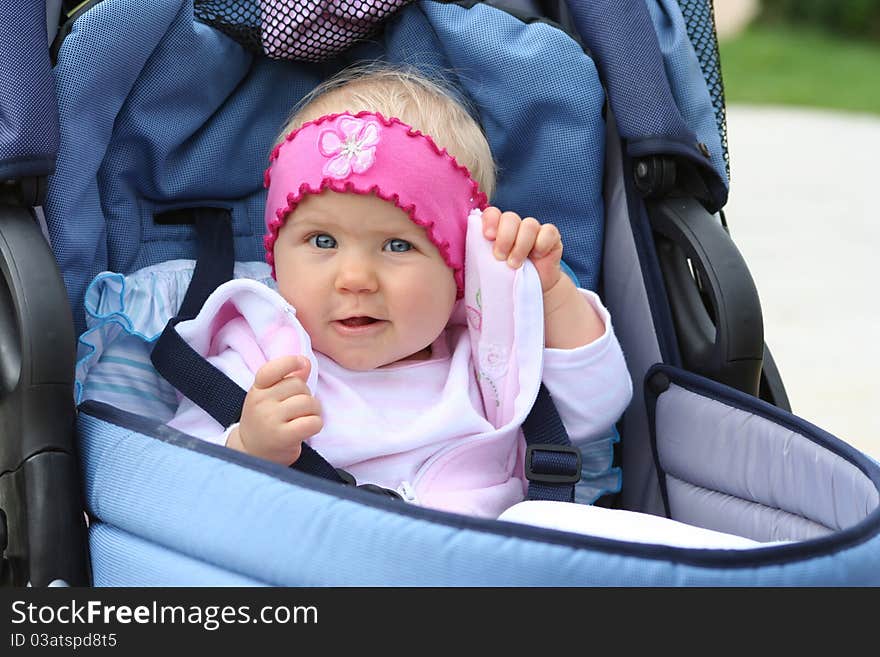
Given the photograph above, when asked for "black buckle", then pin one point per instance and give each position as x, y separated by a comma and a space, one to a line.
349, 480
571, 477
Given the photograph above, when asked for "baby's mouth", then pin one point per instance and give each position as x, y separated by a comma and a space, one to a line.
358, 321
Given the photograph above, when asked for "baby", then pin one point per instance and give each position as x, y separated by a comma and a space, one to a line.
406, 346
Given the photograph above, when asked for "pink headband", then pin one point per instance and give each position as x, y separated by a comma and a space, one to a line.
366, 153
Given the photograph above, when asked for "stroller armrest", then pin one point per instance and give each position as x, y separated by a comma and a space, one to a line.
714, 302
40, 492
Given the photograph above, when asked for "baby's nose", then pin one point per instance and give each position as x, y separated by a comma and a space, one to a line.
356, 275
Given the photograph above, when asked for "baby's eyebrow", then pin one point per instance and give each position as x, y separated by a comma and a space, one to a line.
309, 222
411, 232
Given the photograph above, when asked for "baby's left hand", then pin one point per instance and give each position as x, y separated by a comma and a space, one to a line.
517, 239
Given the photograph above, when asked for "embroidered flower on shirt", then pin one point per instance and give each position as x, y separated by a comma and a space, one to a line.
350, 145
475, 318
475, 315
494, 359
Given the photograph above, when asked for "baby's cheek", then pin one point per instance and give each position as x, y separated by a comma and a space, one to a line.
432, 318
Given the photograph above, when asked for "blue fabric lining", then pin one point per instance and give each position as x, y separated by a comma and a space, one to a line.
750, 404
598, 477
119, 558
173, 492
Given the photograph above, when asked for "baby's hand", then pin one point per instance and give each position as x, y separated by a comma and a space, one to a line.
279, 412
517, 239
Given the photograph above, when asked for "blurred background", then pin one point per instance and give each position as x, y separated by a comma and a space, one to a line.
802, 85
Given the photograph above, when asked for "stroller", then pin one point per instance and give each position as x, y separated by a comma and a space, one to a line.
619, 114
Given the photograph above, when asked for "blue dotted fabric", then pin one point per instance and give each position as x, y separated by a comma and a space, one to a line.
28, 116
689, 78
655, 85
699, 18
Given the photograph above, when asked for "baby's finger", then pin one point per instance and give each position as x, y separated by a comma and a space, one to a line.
287, 387
508, 227
278, 368
547, 240
491, 216
299, 406
525, 242
303, 428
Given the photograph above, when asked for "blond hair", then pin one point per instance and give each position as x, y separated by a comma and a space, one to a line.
427, 105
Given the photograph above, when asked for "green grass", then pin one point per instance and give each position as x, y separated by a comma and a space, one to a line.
789, 66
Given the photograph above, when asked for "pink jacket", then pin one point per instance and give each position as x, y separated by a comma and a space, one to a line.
244, 323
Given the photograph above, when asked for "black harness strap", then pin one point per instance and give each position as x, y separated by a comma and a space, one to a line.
552, 464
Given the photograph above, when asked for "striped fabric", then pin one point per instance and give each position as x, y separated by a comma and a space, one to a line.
125, 315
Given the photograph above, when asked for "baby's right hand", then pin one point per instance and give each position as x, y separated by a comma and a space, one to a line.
279, 412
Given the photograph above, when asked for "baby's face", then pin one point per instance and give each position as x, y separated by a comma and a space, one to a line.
368, 285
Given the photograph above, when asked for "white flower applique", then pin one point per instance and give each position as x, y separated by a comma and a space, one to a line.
494, 359
351, 146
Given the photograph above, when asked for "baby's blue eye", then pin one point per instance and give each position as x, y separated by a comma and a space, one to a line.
398, 246
322, 241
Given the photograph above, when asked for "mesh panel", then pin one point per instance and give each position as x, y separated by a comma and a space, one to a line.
305, 30
699, 16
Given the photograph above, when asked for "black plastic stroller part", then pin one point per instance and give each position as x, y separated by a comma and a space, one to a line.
772, 390
655, 177
40, 492
4, 541
659, 178
25, 192
715, 306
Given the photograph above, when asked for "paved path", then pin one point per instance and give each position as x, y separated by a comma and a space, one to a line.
803, 210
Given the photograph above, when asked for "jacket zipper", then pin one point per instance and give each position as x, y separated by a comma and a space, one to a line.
408, 492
